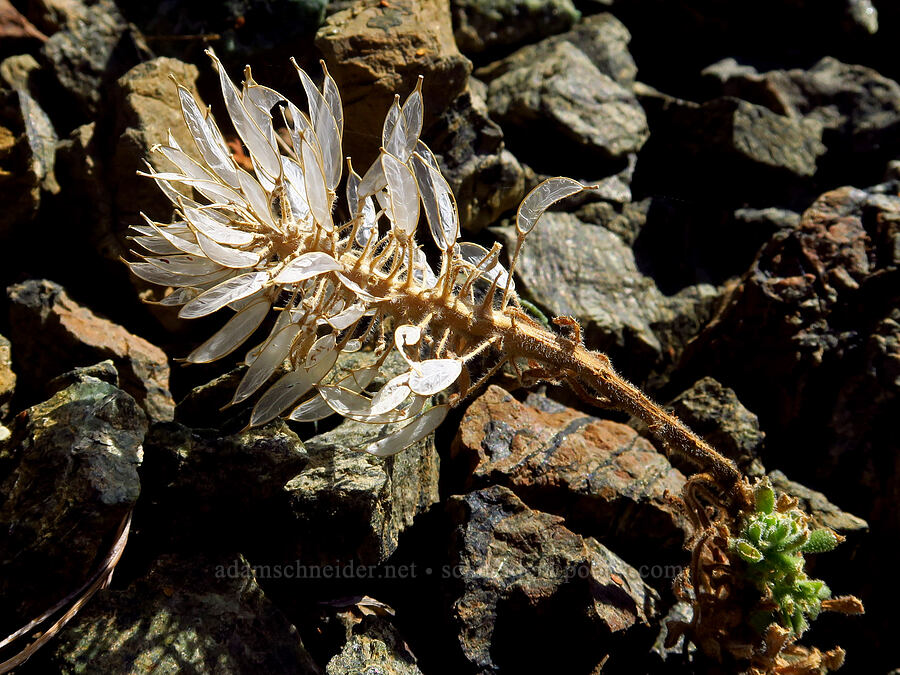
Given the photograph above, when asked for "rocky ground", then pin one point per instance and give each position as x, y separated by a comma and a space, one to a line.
740, 261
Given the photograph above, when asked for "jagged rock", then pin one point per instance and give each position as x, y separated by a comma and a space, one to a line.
202, 614
563, 100
789, 309
858, 108
95, 49
68, 476
105, 371
203, 485
569, 268
602, 38
52, 334
715, 413
7, 376
624, 219
376, 51
146, 107
485, 25
532, 595
485, 178
766, 222
729, 148
373, 647
599, 475
348, 505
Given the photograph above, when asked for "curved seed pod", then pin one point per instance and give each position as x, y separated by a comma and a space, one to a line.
542, 198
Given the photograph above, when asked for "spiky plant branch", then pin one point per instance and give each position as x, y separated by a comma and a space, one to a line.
268, 241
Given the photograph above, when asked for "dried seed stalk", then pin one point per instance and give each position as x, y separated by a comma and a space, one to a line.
269, 241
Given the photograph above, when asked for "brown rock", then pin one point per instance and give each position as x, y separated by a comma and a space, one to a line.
377, 50
147, 108
52, 334
600, 475
534, 596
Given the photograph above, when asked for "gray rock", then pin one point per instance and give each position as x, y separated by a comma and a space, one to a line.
766, 222
68, 475
484, 25
42, 140
624, 219
858, 107
532, 595
485, 178
715, 413
563, 97
203, 614
96, 48
573, 269
599, 475
215, 472
7, 376
602, 38
348, 505
52, 334
105, 371
375, 647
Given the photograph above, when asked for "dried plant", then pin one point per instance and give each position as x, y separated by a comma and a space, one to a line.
272, 241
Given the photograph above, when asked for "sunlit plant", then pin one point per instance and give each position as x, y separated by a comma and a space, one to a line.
349, 275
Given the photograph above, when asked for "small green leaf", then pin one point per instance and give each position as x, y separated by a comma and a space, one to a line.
820, 541
746, 550
765, 498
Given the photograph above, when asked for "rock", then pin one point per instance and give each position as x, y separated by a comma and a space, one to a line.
532, 595
15, 27
822, 511
572, 269
244, 31
602, 38
42, 140
562, 102
599, 475
202, 614
26, 162
375, 647
377, 51
485, 178
858, 108
767, 221
203, 485
728, 148
85, 59
18, 71
789, 308
104, 371
624, 219
485, 25
52, 334
146, 107
68, 476
82, 171
7, 377
350, 506
716, 415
